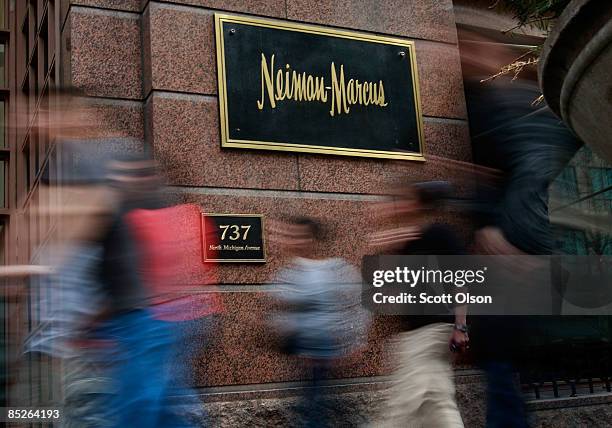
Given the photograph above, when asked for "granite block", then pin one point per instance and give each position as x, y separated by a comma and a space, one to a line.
181, 50
274, 8
244, 349
447, 139
147, 71
185, 139
446, 142
182, 58
271, 208
105, 53
117, 118
347, 224
352, 175
126, 5
440, 80
431, 20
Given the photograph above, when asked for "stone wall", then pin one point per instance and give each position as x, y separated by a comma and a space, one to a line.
151, 67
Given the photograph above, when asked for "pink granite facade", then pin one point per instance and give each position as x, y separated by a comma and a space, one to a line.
152, 67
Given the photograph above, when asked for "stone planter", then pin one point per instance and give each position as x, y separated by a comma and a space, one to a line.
576, 72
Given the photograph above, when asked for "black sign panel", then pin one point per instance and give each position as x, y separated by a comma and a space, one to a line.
296, 87
233, 238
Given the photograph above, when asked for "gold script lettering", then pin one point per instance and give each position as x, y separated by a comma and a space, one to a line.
279, 85
267, 80
338, 92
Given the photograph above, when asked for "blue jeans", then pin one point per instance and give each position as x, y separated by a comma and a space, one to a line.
505, 407
311, 407
140, 379
188, 337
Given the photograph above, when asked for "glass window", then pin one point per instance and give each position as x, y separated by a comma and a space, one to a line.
565, 185
25, 31
34, 151
571, 241
2, 244
34, 74
34, 15
601, 178
26, 166
2, 125
43, 45
2, 64
2, 185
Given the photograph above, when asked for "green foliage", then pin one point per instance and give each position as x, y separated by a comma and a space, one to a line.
538, 13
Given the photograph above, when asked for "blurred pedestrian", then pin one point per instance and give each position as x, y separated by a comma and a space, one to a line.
423, 393
321, 319
530, 146
183, 296
69, 297
142, 343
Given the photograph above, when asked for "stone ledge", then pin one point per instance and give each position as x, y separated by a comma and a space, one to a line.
350, 402
359, 401
567, 402
333, 386
287, 389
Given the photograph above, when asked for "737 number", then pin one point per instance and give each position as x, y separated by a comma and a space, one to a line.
235, 231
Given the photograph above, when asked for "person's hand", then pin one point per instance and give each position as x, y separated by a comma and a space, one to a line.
458, 341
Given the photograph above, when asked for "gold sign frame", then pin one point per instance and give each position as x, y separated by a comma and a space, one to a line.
221, 18
203, 216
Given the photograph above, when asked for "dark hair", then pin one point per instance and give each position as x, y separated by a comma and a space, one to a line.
314, 226
431, 194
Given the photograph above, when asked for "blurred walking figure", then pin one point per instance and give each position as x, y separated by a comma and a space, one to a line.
184, 298
321, 318
423, 394
70, 297
117, 354
141, 343
530, 146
